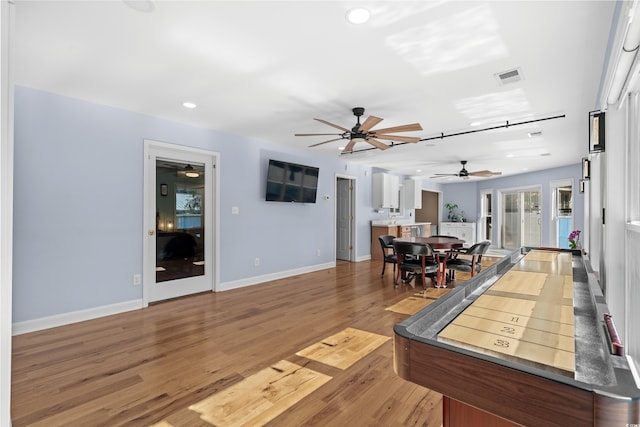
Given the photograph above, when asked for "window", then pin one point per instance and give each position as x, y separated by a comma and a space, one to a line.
188, 208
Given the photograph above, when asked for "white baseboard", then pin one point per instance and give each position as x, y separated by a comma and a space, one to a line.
75, 316
121, 307
226, 286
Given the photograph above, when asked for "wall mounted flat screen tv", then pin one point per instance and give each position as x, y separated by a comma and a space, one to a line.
290, 182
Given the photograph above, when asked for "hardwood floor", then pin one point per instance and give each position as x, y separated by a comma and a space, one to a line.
148, 366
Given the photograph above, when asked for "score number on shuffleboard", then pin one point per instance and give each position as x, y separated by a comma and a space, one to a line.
527, 315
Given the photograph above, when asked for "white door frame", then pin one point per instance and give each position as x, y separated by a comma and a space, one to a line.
7, 16
149, 214
553, 203
354, 220
482, 227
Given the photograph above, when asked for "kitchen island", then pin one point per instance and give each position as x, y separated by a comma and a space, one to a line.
397, 228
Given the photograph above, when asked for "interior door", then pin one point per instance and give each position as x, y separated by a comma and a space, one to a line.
344, 219
178, 222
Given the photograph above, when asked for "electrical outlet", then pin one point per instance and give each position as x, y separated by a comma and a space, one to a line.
137, 279
317, 252
256, 262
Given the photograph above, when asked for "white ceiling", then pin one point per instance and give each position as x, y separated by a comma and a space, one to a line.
265, 69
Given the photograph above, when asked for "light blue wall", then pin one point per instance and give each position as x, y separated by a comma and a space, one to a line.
78, 204
467, 195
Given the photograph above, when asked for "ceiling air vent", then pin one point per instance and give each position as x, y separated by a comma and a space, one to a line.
510, 76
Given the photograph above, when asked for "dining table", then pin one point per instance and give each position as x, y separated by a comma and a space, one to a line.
437, 243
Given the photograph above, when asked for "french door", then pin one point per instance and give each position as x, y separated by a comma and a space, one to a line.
178, 217
520, 218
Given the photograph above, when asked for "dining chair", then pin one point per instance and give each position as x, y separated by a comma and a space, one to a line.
414, 259
386, 242
471, 265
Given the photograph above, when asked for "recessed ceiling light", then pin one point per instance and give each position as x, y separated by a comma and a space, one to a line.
358, 15
189, 105
418, 170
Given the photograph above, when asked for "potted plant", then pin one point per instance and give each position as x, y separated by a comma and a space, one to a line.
574, 239
452, 214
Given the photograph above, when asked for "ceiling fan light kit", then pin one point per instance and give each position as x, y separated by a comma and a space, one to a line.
190, 172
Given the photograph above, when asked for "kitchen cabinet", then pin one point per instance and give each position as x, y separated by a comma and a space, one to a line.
386, 188
405, 231
377, 231
421, 229
412, 194
462, 230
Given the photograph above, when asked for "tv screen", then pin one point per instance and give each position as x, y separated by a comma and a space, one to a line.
290, 182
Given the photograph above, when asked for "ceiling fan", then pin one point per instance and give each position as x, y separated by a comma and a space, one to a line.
465, 174
362, 132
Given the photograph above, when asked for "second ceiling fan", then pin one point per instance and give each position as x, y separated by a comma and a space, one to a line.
362, 132
465, 174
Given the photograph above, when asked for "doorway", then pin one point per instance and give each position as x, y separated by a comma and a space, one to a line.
345, 213
430, 211
561, 212
486, 217
520, 223
179, 225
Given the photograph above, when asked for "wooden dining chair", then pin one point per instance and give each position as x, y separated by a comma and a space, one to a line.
414, 259
386, 243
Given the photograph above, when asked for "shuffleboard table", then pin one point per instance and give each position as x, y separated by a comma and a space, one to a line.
528, 341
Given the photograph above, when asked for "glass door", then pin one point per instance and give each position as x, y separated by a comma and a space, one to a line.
562, 212
178, 256
521, 220
180, 227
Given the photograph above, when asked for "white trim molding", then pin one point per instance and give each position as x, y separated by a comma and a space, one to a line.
75, 316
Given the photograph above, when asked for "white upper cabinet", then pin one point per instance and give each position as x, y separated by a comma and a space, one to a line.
386, 188
412, 194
